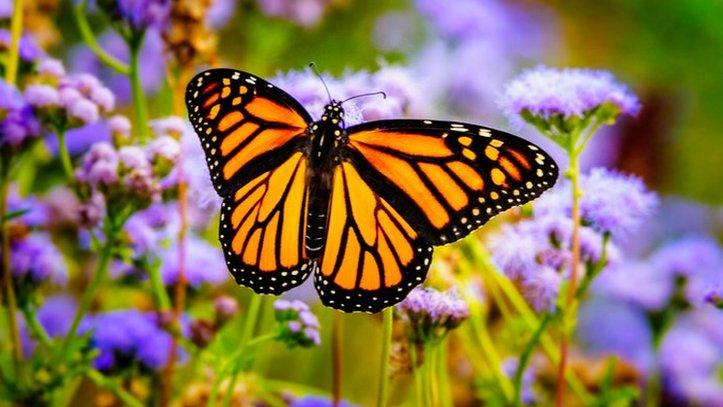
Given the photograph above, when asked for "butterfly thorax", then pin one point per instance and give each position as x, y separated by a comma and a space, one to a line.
327, 136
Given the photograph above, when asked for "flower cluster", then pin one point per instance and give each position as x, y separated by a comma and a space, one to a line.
537, 252
481, 42
431, 313
34, 260
612, 202
403, 95
686, 270
127, 338
18, 124
64, 101
126, 175
54, 316
297, 324
543, 95
133, 17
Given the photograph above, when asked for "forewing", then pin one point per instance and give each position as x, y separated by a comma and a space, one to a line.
262, 229
448, 178
246, 125
372, 256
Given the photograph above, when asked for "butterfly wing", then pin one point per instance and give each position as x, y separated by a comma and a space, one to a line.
254, 135
262, 229
448, 178
373, 256
247, 126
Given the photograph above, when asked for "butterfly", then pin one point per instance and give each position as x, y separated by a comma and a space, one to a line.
358, 207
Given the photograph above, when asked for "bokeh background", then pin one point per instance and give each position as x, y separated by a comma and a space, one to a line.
454, 59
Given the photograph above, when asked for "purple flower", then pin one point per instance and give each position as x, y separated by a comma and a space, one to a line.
84, 110
204, 263
6, 9
29, 50
545, 92
599, 330
79, 139
36, 212
55, 316
404, 95
691, 362
431, 313
138, 15
100, 165
316, 401
40, 96
637, 282
51, 67
220, 13
126, 338
612, 202
17, 121
509, 367
541, 288
120, 125
298, 326
35, 260
165, 148
133, 158
302, 12
699, 260
226, 307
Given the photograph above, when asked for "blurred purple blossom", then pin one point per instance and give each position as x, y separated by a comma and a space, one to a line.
226, 307
79, 140
55, 315
17, 121
404, 95
28, 48
6, 9
51, 67
36, 213
305, 13
612, 202
220, 13
432, 313
204, 263
151, 58
138, 15
298, 325
127, 338
545, 92
395, 31
600, 329
509, 367
637, 282
541, 288
691, 360
35, 260
317, 401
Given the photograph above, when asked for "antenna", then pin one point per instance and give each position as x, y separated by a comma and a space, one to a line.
316, 71
384, 95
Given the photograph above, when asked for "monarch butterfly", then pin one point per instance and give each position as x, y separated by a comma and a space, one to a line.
360, 207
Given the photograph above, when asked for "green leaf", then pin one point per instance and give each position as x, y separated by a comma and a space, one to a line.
16, 214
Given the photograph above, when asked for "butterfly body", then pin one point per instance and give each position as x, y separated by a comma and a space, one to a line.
359, 207
326, 136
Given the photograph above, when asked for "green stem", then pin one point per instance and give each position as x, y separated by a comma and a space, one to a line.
418, 386
229, 389
8, 284
445, 394
481, 256
388, 323
16, 30
163, 301
65, 156
114, 387
99, 275
569, 310
245, 342
140, 108
432, 372
525, 357
336, 357
37, 330
493, 358
596, 269
80, 12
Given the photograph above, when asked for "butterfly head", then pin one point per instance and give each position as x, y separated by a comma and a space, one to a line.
334, 113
